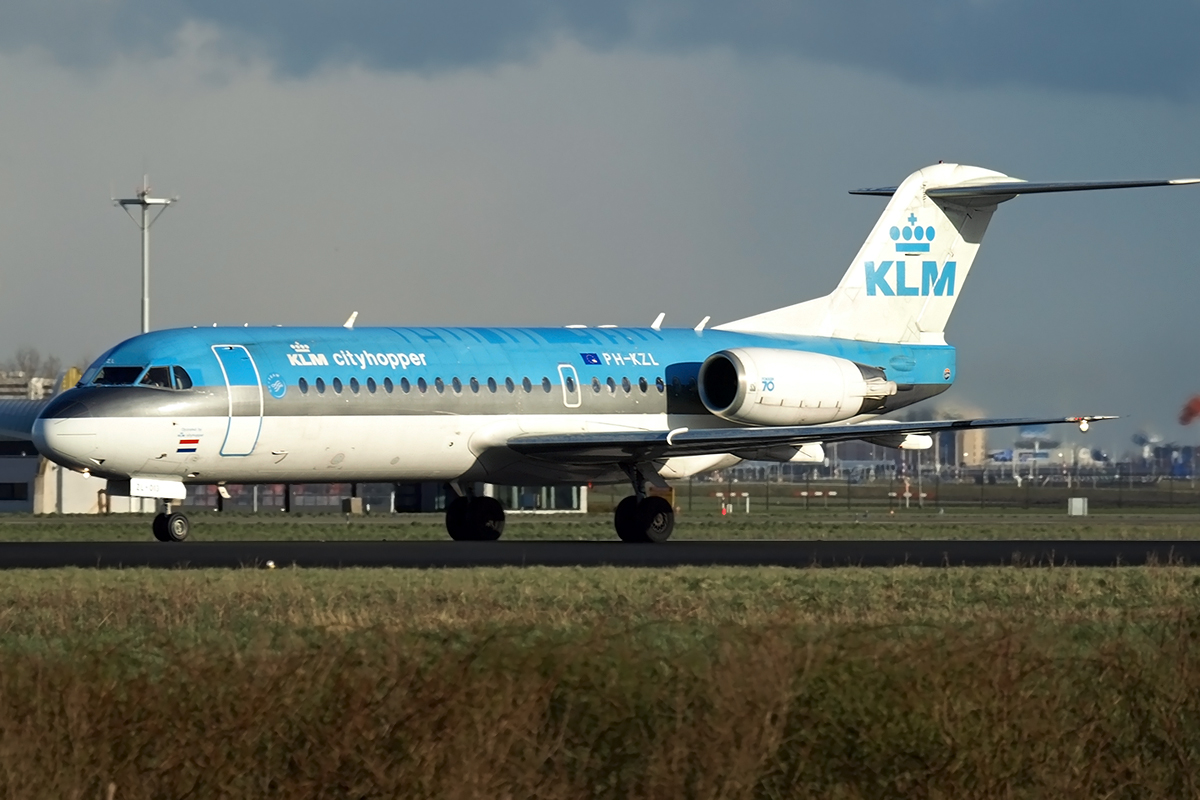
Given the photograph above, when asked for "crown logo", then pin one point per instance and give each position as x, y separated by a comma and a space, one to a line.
916, 239
300, 348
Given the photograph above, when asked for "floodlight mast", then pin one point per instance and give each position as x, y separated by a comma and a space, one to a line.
144, 200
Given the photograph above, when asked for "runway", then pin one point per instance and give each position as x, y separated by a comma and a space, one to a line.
516, 553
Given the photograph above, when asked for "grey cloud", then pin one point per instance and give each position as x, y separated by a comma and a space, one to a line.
1104, 46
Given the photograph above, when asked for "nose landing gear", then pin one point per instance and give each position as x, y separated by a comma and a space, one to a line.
170, 527
639, 518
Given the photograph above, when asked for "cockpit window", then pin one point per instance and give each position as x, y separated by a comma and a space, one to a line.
182, 379
117, 376
158, 376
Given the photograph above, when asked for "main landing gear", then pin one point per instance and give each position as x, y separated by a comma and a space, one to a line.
170, 527
475, 519
639, 518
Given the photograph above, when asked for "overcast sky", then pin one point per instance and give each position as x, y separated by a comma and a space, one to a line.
540, 162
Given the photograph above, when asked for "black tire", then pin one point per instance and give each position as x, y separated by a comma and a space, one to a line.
485, 516
177, 527
160, 528
457, 519
655, 519
625, 520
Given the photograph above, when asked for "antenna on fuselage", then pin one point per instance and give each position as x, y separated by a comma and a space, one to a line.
658, 321
144, 200
349, 323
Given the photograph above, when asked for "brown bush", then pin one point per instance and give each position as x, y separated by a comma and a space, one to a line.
655, 711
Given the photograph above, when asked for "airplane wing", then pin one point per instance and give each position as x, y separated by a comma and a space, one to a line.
642, 446
17, 416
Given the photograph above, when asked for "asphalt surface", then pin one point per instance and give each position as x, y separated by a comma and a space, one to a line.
440, 554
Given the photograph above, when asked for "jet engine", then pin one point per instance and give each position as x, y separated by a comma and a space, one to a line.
767, 386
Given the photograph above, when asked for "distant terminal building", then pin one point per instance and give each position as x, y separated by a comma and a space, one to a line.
967, 448
19, 386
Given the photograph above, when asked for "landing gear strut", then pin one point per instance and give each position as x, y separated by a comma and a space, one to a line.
170, 527
639, 518
475, 519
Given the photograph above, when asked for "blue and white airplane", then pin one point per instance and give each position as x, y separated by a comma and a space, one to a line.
549, 405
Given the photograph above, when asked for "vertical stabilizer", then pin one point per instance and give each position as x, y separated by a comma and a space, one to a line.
902, 285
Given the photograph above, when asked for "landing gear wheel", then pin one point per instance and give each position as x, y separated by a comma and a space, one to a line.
625, 520
650, 520
457, 524
485, 517
655, 519
160, 528
176, 527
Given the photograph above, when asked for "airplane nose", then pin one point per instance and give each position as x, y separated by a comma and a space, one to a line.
67, 440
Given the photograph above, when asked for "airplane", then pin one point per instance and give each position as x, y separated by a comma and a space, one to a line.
542, 406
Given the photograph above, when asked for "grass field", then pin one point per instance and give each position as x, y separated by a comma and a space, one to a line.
603, 682
62, 608
563, 683
794, 524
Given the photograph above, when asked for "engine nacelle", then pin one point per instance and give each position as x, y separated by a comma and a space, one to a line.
766, 386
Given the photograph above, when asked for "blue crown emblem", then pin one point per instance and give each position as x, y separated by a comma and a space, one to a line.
916, 238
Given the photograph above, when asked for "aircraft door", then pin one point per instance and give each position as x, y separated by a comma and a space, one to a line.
245, 399
570, 386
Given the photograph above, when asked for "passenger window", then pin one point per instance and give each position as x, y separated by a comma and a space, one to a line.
627, 386
158, 376
182, 379
422, 386
546, 385
117, 376
303, 384
439, 385
475, 385
354, 385
371, 385
492, 385
570, 384
526, 385
612, 385
405, 386
508, 384
643, 385
320, 386
675, 386
388, 386
457, 384
337, 385
658, 384
596, 385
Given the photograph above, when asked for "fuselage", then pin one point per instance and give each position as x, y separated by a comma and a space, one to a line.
241, 405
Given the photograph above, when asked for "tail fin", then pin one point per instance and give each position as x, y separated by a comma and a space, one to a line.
902, 285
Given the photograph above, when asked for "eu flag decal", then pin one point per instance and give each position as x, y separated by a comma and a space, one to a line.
590, 358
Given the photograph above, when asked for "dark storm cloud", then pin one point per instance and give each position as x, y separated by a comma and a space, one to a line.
1107, 46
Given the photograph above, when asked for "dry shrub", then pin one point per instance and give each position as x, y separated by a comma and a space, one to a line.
658, 711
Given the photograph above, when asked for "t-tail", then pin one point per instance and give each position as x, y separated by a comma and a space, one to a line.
902, 285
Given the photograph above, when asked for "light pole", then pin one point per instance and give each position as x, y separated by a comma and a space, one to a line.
144, 200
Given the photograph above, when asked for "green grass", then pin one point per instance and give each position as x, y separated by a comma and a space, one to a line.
40, 608
913, 524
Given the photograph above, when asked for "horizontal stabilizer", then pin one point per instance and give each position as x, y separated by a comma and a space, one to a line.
1013, 188
617, 447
